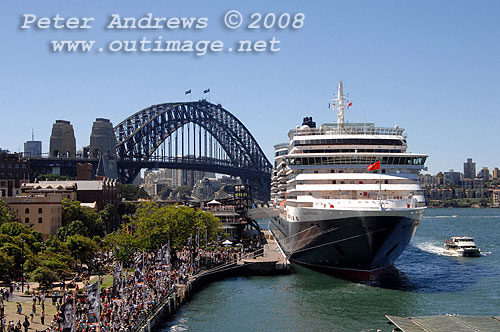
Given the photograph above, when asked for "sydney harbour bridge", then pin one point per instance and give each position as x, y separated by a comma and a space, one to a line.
198, 136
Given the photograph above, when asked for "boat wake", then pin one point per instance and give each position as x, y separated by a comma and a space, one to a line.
435, 249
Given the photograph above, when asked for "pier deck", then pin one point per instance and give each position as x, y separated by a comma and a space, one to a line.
272, 259
445, 323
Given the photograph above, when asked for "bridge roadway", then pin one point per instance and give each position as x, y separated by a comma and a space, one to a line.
40, 165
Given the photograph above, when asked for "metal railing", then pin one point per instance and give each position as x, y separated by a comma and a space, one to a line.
348, 130
145, 316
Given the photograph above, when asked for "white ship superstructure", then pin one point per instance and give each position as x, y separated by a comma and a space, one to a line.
321, 178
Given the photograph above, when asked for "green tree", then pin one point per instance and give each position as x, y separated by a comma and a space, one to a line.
165, 193
182, 192
54, 177
123, 244
131, 192
44, 276
19, 243
7, 267
82, 248
126, 208
155, 225
72, 211
5, 215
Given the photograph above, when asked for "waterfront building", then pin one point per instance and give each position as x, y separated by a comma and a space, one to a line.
494, 174
205, 188
84, 171
66, 190
452, 178
155, 181
478, 187
447, 193
496, 198
14, 170
484, 174
469, 193
458, 193
62, 140
102, 192
469, 169
42, 211
33, 149
425, 180
468, 183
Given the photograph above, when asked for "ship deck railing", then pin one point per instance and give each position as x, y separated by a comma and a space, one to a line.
348, 130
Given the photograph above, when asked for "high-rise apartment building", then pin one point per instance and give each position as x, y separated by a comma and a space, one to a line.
469, 169
495, 173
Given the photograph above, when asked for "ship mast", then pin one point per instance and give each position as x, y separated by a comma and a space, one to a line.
339, 102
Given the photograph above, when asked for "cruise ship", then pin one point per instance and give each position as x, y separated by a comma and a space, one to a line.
347, 194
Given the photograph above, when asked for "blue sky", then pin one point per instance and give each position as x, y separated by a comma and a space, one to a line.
432, 67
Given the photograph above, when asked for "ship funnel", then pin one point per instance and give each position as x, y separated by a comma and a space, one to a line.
308, 121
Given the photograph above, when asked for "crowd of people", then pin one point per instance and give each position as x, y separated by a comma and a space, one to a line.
11, 326
133, 297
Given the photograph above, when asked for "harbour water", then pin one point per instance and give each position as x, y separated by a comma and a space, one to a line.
426, 281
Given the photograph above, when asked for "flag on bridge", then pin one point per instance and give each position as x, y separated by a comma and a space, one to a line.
350, 104
187, 92
206, 90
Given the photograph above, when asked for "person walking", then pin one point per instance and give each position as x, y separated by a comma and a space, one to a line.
26, 324
42, 317
2, 324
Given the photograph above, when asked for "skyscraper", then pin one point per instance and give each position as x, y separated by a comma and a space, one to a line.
469, 169
33, 148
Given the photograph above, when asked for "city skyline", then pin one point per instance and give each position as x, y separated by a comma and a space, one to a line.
401, 64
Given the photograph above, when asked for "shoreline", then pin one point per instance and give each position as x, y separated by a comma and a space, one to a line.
195, 283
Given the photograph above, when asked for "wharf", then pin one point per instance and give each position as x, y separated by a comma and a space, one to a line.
449, 323
272, 260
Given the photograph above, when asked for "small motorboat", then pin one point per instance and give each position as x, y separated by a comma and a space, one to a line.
463, 245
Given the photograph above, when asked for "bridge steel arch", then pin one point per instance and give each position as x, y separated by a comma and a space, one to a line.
141, 134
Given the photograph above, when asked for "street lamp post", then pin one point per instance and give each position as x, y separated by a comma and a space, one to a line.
22, 267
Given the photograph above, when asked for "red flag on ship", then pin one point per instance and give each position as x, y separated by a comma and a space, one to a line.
373, 166
350, 104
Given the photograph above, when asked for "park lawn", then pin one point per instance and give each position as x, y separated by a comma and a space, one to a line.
106, 282
11, 313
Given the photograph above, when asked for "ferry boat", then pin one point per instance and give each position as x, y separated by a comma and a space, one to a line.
463, 245
347, 194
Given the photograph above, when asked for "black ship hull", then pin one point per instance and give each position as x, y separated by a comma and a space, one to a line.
356, 247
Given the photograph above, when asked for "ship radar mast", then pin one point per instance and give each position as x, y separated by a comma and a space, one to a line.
339, 103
